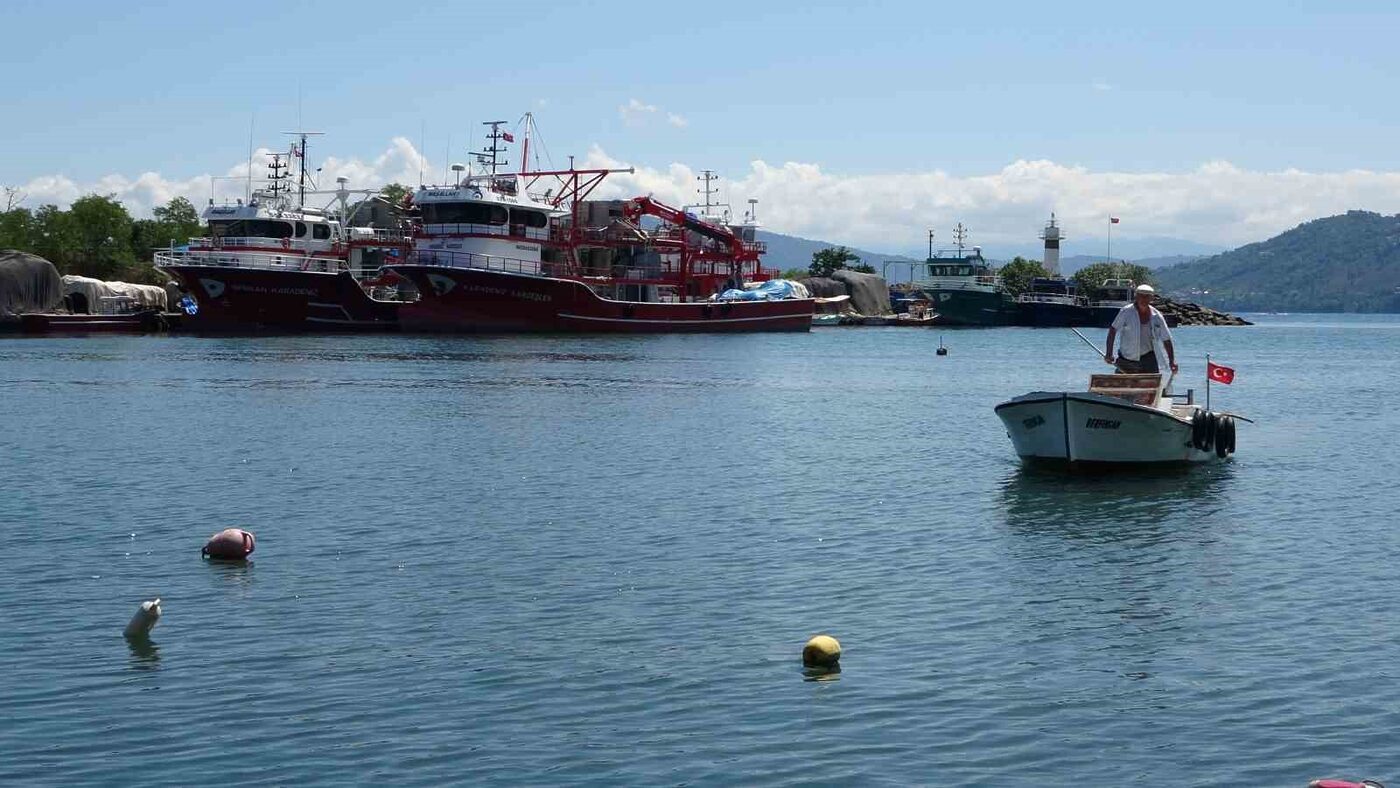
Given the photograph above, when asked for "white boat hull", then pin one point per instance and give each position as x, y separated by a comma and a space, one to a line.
1084, 428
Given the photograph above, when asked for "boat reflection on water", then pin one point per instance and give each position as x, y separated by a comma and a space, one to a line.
1150, 503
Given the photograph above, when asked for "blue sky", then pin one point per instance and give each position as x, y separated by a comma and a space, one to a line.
860, 90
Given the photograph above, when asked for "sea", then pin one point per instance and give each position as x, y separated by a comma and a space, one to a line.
595, 560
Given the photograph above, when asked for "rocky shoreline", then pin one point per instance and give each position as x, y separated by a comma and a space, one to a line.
1187, 314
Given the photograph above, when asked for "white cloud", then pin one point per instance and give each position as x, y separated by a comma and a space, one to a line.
635, 112
1216, 202
1101, 85
639, 113
400, 162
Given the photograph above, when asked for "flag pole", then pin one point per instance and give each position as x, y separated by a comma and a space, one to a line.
1207, 381
1109, 257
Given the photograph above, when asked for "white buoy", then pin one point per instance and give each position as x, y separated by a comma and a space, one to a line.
145, 619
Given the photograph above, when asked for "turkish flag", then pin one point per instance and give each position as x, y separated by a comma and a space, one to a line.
507, 136
1219, 374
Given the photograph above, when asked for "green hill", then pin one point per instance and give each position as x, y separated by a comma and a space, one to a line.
1346, 263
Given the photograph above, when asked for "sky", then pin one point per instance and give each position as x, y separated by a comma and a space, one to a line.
1208, 124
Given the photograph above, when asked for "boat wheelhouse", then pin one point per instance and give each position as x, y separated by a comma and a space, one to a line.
273, 262
498, 251
963, 288
1114, 294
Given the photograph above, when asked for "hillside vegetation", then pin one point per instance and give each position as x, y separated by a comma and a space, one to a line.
1346, 263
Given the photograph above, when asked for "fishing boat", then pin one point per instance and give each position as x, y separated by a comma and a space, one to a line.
1114, 294
1120, 420
273, 262
497, 251
963, 288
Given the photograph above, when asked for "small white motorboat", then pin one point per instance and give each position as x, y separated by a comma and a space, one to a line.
1122, 419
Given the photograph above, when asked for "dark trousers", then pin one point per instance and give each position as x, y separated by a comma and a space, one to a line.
1146, 364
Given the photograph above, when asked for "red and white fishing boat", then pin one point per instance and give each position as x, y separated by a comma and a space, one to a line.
275, 263
500, 252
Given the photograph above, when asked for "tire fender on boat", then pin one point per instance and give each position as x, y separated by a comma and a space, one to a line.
1224, 435
1200, 430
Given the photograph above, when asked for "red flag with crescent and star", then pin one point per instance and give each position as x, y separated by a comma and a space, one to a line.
1219, 374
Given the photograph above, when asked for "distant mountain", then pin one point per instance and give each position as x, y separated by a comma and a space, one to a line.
1070, 265
1346, 263
790, 251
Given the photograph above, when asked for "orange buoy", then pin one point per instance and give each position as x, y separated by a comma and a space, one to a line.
230, 544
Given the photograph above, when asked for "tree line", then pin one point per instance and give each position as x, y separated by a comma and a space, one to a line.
96, 236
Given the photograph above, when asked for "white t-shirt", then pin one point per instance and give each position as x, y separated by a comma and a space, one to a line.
1133, 342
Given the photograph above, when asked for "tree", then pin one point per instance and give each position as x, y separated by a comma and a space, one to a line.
52, 236
796, 273
175, 223
394, 193
831, 259
180, 215
1018, 273
17, 229
13, 197
1090, 279
100, 230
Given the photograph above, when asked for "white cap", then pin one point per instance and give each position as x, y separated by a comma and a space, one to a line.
1144, 290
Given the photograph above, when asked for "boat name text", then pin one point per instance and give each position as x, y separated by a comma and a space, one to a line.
501, 291
1102, 424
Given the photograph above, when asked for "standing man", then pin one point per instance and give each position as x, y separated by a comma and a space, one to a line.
1141, 326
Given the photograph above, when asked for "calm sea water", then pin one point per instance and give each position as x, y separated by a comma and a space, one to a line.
545, 560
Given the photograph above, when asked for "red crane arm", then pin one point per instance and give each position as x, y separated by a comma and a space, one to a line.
635, 208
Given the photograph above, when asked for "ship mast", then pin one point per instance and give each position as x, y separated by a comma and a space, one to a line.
491, 157
960, 237
299, 153
278, 178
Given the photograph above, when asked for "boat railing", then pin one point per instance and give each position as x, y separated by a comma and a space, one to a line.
1051, 298
486, 262
382, 237
267, 261
258, 242
531, 233
962, 283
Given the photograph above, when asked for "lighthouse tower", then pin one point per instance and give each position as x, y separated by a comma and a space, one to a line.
1052, 237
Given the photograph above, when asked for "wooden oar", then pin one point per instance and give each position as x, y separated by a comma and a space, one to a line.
1088, 342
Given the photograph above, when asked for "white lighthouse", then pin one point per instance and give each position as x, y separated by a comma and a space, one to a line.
1052, 237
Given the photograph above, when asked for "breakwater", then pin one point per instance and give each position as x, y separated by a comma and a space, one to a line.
1188, 314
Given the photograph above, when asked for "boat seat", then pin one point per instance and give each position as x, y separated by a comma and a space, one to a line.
1123, 380
1139, 389
1135, 396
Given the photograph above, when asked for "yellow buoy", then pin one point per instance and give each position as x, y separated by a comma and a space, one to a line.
822, 651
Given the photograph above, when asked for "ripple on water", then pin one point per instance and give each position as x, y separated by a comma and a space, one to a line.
556, 559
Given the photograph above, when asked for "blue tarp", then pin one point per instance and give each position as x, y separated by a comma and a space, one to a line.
772, 290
